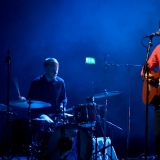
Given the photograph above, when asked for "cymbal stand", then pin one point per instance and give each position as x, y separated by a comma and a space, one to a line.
105, 115
111, 133
97, 122
62, 142
29, 129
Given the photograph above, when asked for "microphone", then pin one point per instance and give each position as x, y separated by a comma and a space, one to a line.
153, 34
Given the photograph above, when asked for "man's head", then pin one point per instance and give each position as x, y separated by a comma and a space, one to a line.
51, 67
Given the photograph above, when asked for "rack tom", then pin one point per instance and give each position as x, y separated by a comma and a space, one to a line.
85, 115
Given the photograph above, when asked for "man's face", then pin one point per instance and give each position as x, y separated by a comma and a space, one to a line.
52, 70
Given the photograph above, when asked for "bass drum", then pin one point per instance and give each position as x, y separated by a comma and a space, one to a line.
82, 145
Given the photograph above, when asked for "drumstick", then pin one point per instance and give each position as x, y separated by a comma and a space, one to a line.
16, 84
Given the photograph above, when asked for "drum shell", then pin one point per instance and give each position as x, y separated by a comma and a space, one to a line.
51, 140
19, 135
85, 114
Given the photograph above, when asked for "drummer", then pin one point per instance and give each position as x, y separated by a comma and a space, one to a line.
48, 88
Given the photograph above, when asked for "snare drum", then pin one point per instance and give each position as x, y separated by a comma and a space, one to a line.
85, 114
41, 124
50, 142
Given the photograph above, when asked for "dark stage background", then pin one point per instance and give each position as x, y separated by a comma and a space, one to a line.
70, 31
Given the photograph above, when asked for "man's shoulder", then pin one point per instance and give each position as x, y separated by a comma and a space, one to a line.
38, 79
59, 79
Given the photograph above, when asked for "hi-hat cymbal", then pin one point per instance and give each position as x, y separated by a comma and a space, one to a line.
4, 107
60, 114
33, 104
69, 109
67, 114
106, 94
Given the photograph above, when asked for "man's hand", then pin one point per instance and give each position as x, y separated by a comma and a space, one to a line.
22, 98
61, 107
150, 76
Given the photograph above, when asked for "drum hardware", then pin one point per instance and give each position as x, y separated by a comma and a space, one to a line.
97, 123
59, 118
81, 142
60, 115
64, 155
78, 143
94, 109
30, 104
104, 95
52, 144
111, 124
64, 144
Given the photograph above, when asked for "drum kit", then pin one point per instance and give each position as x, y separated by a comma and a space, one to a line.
65, 135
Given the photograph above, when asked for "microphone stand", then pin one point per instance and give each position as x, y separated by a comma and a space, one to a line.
129, 100
129, 105
146, 70
8, 61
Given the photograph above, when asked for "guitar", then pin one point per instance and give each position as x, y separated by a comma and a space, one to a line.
154, 87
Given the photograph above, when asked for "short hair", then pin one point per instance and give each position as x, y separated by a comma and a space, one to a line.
50, 61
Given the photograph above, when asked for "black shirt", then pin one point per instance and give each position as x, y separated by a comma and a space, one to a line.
52, 92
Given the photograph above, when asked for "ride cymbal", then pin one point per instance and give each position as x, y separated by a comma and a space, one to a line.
33, 104
106, 94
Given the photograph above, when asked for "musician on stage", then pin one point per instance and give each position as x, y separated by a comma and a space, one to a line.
48, 88
152, 64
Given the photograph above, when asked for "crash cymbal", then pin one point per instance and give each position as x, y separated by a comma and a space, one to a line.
4, 107
106, 94
25, 104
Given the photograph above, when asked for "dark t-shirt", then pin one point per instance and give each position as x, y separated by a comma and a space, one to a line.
52, 92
